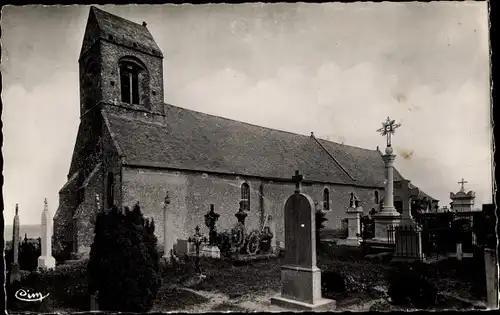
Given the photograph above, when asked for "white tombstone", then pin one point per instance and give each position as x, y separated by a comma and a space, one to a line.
46, 261
353, 215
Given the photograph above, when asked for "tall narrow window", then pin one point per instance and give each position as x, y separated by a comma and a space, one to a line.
129, 77
245, 196
110, 190
326, 199
376, 196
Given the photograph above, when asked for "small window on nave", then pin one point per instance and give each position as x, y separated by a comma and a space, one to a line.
326, 199
376, 197
245, 196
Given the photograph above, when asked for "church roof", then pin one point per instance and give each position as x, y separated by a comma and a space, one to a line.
120, 31
192, 140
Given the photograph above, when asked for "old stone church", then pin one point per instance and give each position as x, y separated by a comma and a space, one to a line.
133, 147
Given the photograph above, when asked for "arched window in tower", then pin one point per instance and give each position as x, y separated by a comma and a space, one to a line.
326, 199
133, 81
245, 196
377, 200
110, 190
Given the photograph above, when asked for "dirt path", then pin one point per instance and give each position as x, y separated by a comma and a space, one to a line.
214, 299
261, 303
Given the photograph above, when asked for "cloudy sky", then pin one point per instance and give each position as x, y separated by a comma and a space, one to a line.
335, 69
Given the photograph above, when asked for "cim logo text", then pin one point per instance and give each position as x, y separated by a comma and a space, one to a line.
27, 296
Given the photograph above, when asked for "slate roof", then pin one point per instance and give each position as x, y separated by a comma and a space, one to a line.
124, 32
197, 141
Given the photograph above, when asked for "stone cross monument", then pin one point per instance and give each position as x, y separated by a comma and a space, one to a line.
388, 215
300, 277
15, 272
353, 215
212, 250
168, 242
46, 260
463, 201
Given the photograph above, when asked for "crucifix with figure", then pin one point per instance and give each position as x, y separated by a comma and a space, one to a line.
298, 178
463, 182
388, 129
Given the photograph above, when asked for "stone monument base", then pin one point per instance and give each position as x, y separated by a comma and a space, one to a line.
301, 289
210, 251
320, 305
383, 221
47, 262
352, 241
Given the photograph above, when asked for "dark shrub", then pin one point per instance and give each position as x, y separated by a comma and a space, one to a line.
123, 268
332, 284
29, 251
409, 287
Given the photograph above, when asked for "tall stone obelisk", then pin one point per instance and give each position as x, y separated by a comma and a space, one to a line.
46, 261
388, 216
15, 271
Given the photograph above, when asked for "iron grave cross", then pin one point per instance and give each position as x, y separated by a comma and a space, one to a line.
388, 129
462, 182
298, 181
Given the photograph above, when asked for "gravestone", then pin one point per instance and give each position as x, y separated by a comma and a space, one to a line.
15, 271
300, 277
211, 250
353, 215
46, 261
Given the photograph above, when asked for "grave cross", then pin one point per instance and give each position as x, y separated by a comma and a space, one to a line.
298, 181
462, 182
388, 129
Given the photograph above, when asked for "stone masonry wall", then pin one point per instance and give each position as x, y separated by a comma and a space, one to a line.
86, 212
110, 85
191, 194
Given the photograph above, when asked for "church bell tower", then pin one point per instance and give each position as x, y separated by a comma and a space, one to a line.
120, 65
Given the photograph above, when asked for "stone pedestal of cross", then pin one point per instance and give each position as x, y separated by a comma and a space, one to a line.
353, 215
388, 217
15, 271
46, 261
168, 235
197, 240
300, 277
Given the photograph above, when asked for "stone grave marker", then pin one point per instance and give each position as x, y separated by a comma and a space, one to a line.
46, 261
353, 214
211, 250
300, 277
15, 271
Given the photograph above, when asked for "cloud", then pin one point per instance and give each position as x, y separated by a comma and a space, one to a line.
40, 132
335, 69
